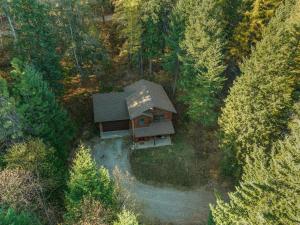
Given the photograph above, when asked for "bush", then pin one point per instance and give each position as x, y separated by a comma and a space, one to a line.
126, 217
11, 217
36, 157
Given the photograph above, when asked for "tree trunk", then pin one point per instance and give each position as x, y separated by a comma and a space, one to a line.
176, 77
4, 7
150, 67
103, 15
74, 49
141, 65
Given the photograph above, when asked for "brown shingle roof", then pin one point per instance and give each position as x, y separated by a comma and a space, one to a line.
110, 107
133, 102
146, 95
156, 128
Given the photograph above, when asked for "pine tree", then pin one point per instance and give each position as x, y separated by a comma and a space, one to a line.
36, 41
202, 80
174, 37
259, 103
128, 16
154, 16
10, 127
249, 30
269, 192
41, 114
87, 181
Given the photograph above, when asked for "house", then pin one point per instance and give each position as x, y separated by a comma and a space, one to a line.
143, 110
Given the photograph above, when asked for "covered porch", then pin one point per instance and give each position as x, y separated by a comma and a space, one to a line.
152, 142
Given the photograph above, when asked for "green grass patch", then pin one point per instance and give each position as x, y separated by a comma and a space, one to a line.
174, 165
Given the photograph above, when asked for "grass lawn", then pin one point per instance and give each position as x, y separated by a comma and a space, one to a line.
175, 165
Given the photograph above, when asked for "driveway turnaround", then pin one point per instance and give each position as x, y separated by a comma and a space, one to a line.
164, 204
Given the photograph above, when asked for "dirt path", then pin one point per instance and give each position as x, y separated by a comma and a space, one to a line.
164, 204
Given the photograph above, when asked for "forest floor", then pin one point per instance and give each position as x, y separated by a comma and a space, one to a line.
160, 204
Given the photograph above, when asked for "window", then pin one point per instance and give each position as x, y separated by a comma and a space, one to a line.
158, 117
142, 121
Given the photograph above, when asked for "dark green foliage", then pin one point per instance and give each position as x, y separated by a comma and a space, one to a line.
173, 38
42, 116
36, 42
11, 217
152, 36
128, 17
10, 127
201, 80
34, 156
269, 192
259, 104
210, 220
86, 180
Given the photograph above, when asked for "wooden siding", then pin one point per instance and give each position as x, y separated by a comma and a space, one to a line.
148, 121
167, 115
115, 125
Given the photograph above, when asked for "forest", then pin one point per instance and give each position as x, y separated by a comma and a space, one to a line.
231, 68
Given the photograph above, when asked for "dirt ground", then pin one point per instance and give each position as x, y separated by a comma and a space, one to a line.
164, 204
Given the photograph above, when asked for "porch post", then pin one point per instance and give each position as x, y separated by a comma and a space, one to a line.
154, 141
101, 129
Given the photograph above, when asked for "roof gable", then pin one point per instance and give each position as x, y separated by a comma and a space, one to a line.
146, 95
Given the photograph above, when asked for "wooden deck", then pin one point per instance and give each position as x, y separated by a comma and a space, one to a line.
157, 142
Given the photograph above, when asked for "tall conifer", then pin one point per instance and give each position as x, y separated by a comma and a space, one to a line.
269, 192
41, 114
201, 79
259, 104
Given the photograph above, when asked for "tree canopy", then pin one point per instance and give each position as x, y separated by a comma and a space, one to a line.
269, 191
203, 66
259, 104
41, 114
86, 180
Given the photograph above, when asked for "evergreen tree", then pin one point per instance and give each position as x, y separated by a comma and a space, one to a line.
173, 38
42, 116
202, 80
128, 16
259, 103
154, 16
10, 216
249, 30
269, 192
10, 127
87, 181
36, 41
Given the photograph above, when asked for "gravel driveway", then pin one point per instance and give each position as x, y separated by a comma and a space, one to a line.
164, 204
